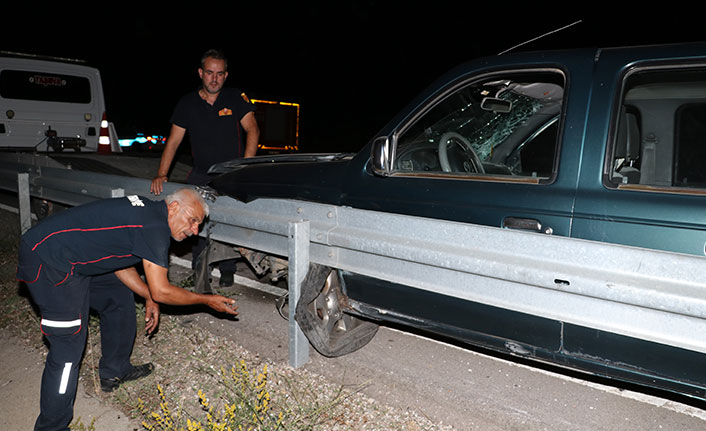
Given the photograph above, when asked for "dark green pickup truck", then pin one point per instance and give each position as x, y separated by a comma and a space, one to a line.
606, 145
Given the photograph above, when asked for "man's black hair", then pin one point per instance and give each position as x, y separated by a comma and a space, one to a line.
214, 53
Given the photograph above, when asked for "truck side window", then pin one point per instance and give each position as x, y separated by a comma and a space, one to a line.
658, 141
502, 125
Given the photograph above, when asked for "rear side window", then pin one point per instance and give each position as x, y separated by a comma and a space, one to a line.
42, 86
659, 141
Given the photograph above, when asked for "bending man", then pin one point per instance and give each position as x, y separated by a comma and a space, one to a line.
84, 258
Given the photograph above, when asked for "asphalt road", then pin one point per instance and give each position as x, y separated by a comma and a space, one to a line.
457, 386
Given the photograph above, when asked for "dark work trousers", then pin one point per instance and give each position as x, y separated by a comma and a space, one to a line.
64, 305
198, 178
115, 305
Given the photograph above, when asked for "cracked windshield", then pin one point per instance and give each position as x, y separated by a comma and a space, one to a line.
499, 127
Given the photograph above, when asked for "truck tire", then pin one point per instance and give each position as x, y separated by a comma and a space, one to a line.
321, 315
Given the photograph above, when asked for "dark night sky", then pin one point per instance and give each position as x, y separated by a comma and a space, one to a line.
350, 64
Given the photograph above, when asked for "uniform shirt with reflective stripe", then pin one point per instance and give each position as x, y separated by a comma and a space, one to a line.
103, 236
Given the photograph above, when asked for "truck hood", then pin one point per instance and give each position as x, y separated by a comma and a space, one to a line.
309, 177
222, 168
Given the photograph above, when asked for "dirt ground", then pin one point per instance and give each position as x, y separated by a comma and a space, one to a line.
21, 368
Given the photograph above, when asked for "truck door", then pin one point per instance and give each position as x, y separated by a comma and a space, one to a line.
498, 148
492, 148
648, 187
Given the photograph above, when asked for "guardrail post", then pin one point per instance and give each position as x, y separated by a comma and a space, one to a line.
24, 206
298, 267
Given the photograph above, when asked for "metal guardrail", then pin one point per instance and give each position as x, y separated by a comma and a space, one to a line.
651, 295
40, 177
73, 187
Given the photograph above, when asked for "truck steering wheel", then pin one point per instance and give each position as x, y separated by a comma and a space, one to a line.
472, 164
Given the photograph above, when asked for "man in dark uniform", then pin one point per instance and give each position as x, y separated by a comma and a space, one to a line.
216, 119
84, 258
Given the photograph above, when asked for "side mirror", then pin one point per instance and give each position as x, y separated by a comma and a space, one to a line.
496, 105
380, 156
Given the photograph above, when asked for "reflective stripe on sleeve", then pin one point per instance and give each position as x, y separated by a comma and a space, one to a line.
65, 378
61, 323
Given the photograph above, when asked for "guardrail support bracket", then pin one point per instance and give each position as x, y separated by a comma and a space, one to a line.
298, 268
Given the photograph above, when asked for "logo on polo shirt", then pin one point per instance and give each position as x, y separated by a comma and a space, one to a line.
225, 112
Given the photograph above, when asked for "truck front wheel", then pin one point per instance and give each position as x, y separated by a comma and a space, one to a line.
321, 314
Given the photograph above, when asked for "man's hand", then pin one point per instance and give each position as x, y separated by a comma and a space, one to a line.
151, 316
162, 291
222, 304
176, 135
156, 186
134, 282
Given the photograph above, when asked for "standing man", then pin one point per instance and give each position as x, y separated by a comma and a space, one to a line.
84, 258
216, 118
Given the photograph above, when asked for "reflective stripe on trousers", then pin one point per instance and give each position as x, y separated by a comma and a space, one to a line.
65, 378
61, 324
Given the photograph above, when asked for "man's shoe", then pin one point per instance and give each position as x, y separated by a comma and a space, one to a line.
226, 279
137, 372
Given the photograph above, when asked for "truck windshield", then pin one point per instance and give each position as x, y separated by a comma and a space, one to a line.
485, 138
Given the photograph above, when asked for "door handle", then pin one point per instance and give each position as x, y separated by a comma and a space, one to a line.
526, 224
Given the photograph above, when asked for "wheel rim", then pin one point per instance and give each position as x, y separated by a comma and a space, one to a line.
327, 308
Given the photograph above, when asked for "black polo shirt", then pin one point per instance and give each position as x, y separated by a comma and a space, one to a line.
214, 130
103, 236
